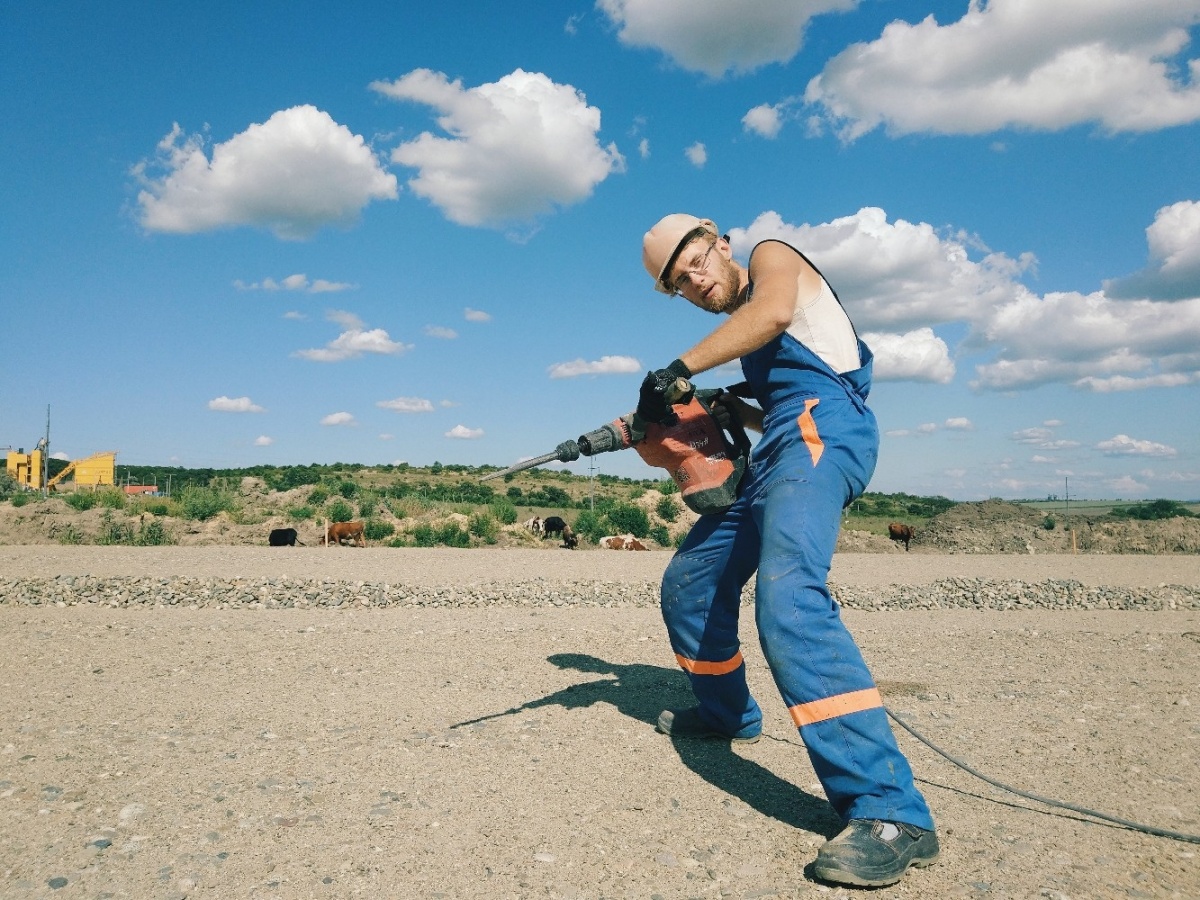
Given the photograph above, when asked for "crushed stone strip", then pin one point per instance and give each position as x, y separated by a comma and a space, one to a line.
326, 593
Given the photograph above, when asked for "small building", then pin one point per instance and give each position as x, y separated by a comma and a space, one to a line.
25, 468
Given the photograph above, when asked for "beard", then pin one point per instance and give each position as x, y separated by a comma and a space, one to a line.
728, 294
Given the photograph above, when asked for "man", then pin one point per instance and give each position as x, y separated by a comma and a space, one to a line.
810, 374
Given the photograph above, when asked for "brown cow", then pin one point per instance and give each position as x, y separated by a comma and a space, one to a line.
340, 531
622, 542
898, 532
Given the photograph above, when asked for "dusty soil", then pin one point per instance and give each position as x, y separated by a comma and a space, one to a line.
511, 753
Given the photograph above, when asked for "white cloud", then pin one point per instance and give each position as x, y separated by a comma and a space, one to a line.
263, 441
61, 455
763, 120
517, 148
1174, 270
407, 405
1117, 383
1042, 439
1124, 445
462, 432
437, 331
353, 342
295, 315
294, 283
339, 418
235, 404
697, 155
919, 355
476, 315
1090, 341
1013, 63
1125, 486
959, 423
294, 173
898, 279
895, 275
716, 37
644, 148
605, 365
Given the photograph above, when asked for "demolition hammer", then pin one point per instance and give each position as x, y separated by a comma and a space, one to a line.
705, 452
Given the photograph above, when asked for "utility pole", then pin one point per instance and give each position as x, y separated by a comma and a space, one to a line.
46, 457
592, 483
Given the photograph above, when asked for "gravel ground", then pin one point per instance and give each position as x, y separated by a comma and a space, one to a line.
509, 750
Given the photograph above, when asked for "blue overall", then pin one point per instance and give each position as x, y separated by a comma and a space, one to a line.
816, 455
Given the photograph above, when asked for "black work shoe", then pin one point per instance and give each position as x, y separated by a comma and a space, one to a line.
871, 853
686, 723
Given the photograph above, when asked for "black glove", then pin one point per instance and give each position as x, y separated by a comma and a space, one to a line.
653, 405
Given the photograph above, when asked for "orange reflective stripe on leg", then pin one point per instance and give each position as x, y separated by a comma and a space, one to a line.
832, 707
808, 430
700, 667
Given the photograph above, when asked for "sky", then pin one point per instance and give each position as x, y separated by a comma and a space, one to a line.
287, 233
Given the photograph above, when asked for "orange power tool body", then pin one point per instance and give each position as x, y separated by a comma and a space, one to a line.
704, 458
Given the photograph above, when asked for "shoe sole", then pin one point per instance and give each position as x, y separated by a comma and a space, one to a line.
712, 736
839, 876
705, 734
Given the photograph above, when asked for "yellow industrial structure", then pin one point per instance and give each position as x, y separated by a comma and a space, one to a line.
25, 468
93, 471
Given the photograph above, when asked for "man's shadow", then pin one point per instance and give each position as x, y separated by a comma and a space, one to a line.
642, 692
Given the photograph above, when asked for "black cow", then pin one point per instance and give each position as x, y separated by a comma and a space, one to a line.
284, 537
552, 525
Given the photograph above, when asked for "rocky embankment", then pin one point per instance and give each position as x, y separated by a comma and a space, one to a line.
310, 593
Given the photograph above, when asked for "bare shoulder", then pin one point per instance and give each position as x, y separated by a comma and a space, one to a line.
772, 260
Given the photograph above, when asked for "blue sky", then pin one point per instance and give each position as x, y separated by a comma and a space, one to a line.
287, 233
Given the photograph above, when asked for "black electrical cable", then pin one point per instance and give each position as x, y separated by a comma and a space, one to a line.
1148, 829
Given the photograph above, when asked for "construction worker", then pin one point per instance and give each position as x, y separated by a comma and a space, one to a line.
810, 375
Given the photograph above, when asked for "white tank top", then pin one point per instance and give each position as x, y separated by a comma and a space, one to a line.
822, 326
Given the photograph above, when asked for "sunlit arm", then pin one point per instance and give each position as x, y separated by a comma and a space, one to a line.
778, 274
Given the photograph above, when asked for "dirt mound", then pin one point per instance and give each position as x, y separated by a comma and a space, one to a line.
995, 526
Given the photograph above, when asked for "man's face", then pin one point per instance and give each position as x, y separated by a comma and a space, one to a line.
706, 277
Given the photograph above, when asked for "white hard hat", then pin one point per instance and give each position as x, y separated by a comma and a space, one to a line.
662, 244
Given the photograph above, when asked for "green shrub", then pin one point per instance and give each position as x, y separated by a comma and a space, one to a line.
660, 535
1155, 509
1048, 523
424, 536
114, 532
504, 511
399, 541
157, 509
301, 513
70, 535
80, 500
591, 525
667, 486
347, 489
367, 505
197, 502
20, 499
111, 498
667, 509
680, 538
339, 511
484, 527
626, 518
637, 492
152, 534
374, 530
318, 495
452, 535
